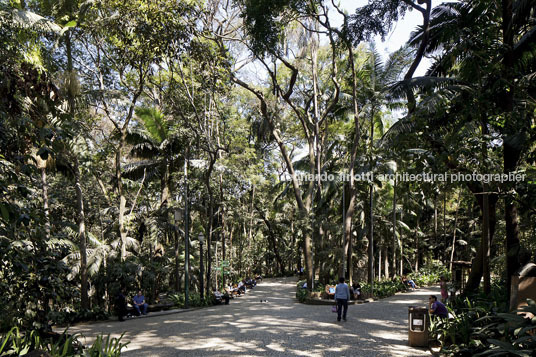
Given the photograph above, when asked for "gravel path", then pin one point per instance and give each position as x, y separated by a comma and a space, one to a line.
279, 327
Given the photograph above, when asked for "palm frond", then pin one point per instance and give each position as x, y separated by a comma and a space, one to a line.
30, 20
399, 89
145, 150
154, 122
137, 170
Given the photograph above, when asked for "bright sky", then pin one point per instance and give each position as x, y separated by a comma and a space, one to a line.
399, 34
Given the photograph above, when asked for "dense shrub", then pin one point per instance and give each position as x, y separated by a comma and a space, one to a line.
430, 273
301, 294
68, 316
480, 326
384, 288
15, 343
193, 301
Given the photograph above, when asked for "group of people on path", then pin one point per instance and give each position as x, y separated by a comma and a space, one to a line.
437, 308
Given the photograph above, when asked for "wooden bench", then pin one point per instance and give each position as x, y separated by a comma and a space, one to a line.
163, 303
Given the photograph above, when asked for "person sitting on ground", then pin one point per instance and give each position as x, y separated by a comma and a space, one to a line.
437, 308
356, 291
409, 282
258, 278
219, 298
139, 304
250, 283
121, 305
231, 291
342, 295
242, 286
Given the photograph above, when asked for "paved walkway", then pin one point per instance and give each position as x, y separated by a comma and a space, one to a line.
279, 327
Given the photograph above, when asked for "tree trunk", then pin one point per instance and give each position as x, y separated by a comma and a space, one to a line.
371, 237
84, 298
511, 151
417, 246
454, 234
177, 261
393, 261
209, 241
44, 185
122, 198
273, 241
401, 244
445, 220
476, 268
436, 240
485, 215
385, 261
420, 51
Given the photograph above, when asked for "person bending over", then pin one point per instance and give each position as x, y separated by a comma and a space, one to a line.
437, 308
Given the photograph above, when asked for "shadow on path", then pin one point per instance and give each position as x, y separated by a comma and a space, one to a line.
279, 327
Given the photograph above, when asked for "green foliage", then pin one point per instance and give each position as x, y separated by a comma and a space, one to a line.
14, 343
384, 288
480, 327
106, 347
456, 332
430, 274
301, 293
68, 317
34, 276
154, 122
193, 301
265, 21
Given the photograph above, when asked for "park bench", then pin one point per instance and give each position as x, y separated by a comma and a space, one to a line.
162, 303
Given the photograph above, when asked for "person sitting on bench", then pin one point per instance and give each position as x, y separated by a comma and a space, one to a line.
242, 286
356, 291
139, 304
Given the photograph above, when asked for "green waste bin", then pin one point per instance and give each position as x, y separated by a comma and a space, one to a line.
419, 322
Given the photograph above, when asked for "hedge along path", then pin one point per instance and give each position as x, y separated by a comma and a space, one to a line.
269, 321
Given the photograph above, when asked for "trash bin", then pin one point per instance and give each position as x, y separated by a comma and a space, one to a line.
418, 326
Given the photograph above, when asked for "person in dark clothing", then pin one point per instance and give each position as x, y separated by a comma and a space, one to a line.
356, 291
121, 305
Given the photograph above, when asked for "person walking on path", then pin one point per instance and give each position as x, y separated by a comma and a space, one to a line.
342, 295
443, 286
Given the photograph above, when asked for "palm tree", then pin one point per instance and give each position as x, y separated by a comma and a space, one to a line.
475, 44
158, 146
